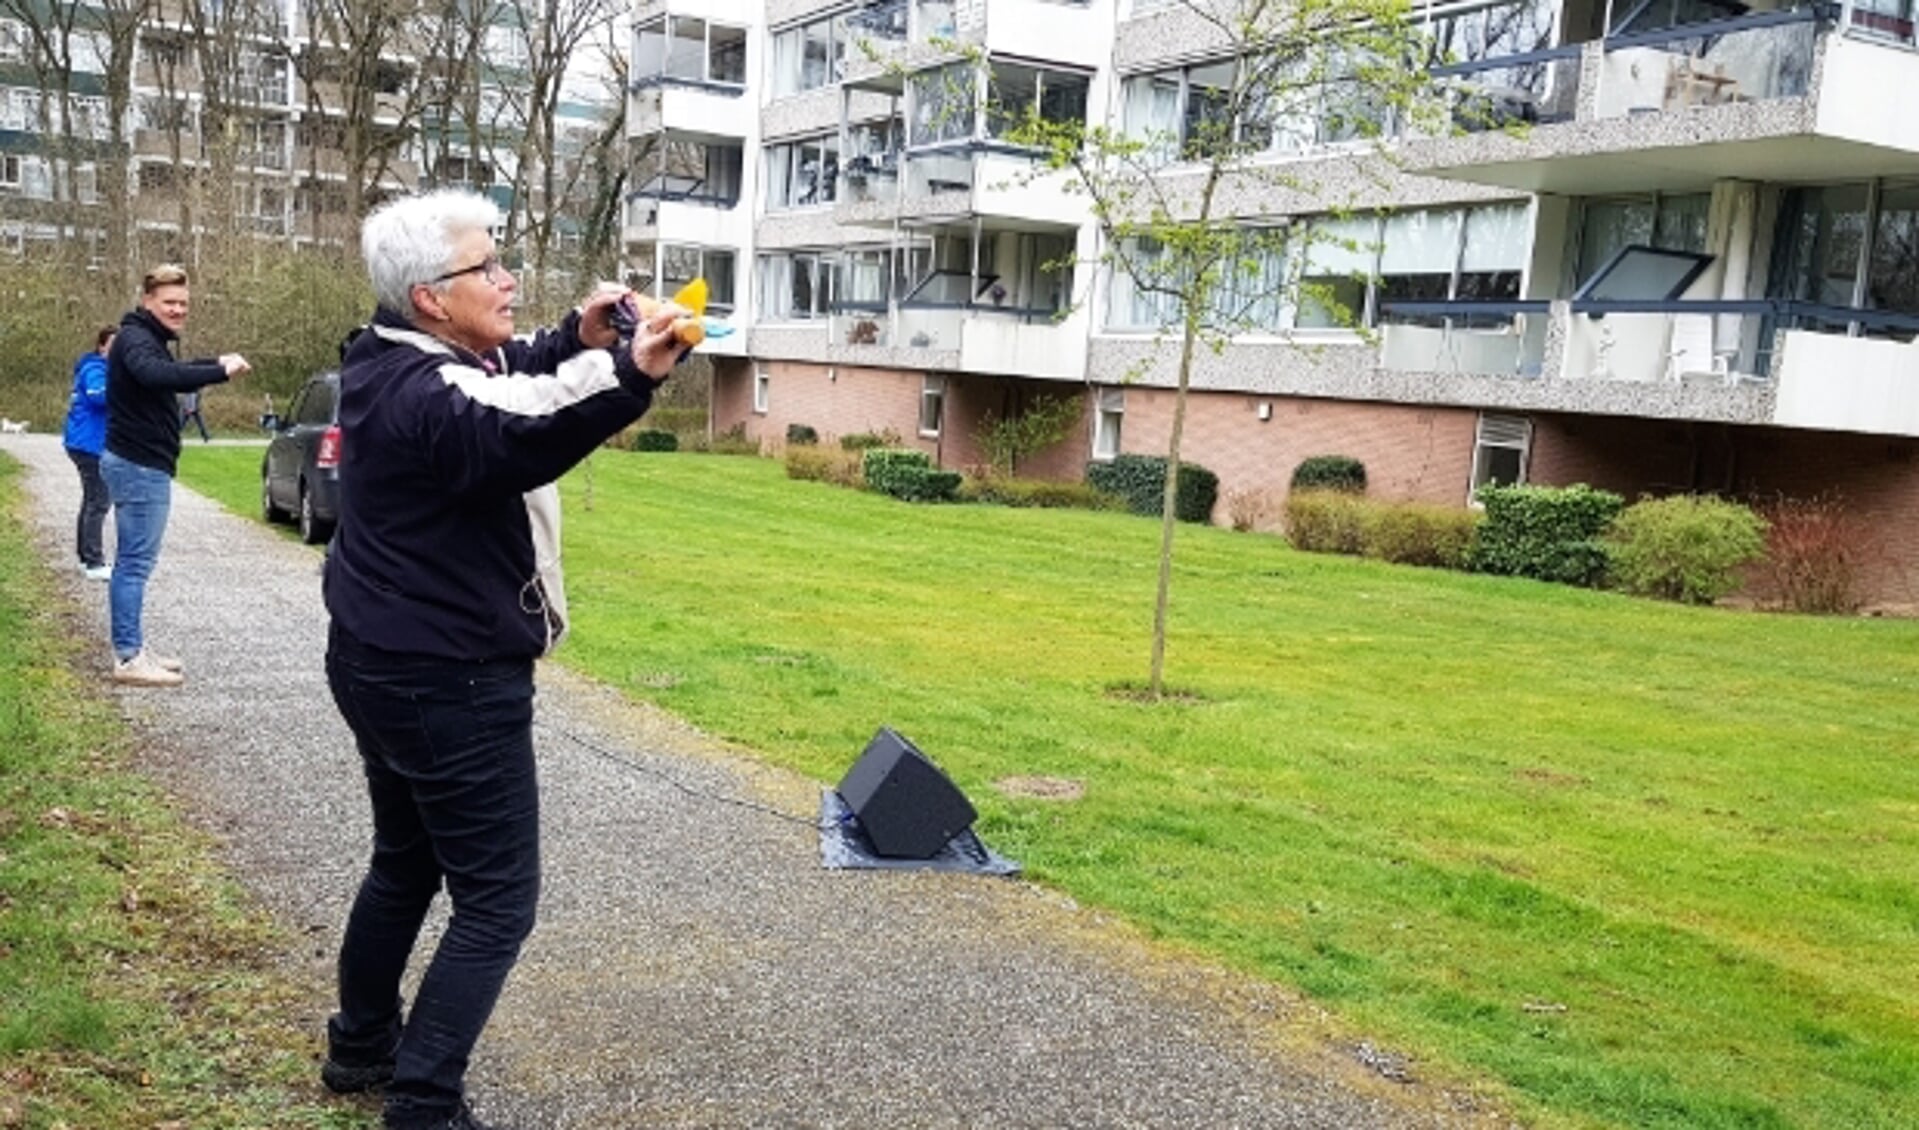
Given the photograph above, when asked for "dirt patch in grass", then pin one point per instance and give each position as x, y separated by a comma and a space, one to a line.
1041, 788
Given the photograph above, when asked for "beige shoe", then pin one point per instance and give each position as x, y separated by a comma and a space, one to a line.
144, 670
168, 662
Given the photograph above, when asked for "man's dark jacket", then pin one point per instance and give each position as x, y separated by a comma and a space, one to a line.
143, 418
448, 542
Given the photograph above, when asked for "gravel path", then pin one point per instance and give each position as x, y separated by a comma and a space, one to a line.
694, 965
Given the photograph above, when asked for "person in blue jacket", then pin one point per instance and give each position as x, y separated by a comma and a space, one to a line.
86, 434
443, 585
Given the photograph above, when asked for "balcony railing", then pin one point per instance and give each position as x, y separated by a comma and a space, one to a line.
1750, 58
1538, 86
1618, 339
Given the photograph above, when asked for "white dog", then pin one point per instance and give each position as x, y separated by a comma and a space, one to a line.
14, 427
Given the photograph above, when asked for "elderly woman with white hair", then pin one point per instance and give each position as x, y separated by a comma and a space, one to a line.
443, 584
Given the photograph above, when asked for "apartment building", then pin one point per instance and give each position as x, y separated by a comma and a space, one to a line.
246, 117
1678, 254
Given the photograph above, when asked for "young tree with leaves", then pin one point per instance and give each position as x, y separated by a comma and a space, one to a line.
1168, 201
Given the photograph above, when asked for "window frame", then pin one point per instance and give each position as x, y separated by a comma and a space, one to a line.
1506, 423
1109, 422
932, 405
762, 391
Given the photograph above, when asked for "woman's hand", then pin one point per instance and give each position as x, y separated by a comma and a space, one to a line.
596, 323
657, 345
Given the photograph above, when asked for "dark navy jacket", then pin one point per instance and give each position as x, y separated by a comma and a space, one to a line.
448, 542
143, 418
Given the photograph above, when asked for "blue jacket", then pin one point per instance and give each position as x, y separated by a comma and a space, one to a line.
448, 542
87, 406
143, 417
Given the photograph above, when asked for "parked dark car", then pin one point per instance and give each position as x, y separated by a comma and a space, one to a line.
300, 476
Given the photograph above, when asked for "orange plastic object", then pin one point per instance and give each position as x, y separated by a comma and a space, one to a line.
688, 330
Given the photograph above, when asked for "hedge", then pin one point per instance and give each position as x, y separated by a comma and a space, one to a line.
1547, 533
652, 439
907, 474
1330, 472
1141, 481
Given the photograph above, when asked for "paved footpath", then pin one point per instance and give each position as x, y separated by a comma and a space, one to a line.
694, 965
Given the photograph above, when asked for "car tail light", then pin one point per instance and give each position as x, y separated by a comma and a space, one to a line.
328, 457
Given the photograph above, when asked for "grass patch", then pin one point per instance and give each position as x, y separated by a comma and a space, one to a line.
1647, 865
137, 988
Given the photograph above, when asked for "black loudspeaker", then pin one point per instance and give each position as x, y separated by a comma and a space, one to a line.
905, 805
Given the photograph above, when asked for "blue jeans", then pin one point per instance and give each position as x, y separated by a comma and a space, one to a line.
448, 752
142, 498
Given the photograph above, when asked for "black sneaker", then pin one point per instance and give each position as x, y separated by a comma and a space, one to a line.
348, 1079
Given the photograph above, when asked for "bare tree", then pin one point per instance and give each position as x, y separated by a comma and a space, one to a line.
554, 33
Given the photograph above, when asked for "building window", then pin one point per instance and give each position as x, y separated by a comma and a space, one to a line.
1500, 450
802, 174
793, 287
1107, 421
1058, 97
695, 51
812, 54
676, 169
681, 264
932, 406
1667, 223
10, 170
762, 390
1329, 273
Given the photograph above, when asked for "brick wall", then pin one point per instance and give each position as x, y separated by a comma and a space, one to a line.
1410, 452
832, 400
1878, 477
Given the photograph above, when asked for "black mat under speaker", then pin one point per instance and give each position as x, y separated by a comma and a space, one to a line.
905, 805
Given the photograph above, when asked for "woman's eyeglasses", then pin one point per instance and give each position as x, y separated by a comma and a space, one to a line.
491, 267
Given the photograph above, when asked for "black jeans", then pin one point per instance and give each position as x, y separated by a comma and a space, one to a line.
448, 750
93, 509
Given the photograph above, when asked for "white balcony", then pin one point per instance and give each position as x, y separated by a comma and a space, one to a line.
1847, 384
1774, 96
702, 113
955, 338
1758, 362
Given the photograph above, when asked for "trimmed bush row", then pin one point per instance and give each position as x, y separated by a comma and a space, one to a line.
1685, 548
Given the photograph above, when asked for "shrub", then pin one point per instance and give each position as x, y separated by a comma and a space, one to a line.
800, 433
1687, 548
652, 439
907, 474
1005, 440
1815, 551
862, 441
1007, 491
1419, 533
1250, 509
1547, 533
1325, 521
1330, 472
1141, 481
823, 464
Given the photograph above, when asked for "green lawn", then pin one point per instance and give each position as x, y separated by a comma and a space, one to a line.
1647, 865
137, 987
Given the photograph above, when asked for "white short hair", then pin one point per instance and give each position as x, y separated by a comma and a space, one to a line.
409, 241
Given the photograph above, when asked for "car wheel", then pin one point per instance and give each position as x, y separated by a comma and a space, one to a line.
268, 510
313, 531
